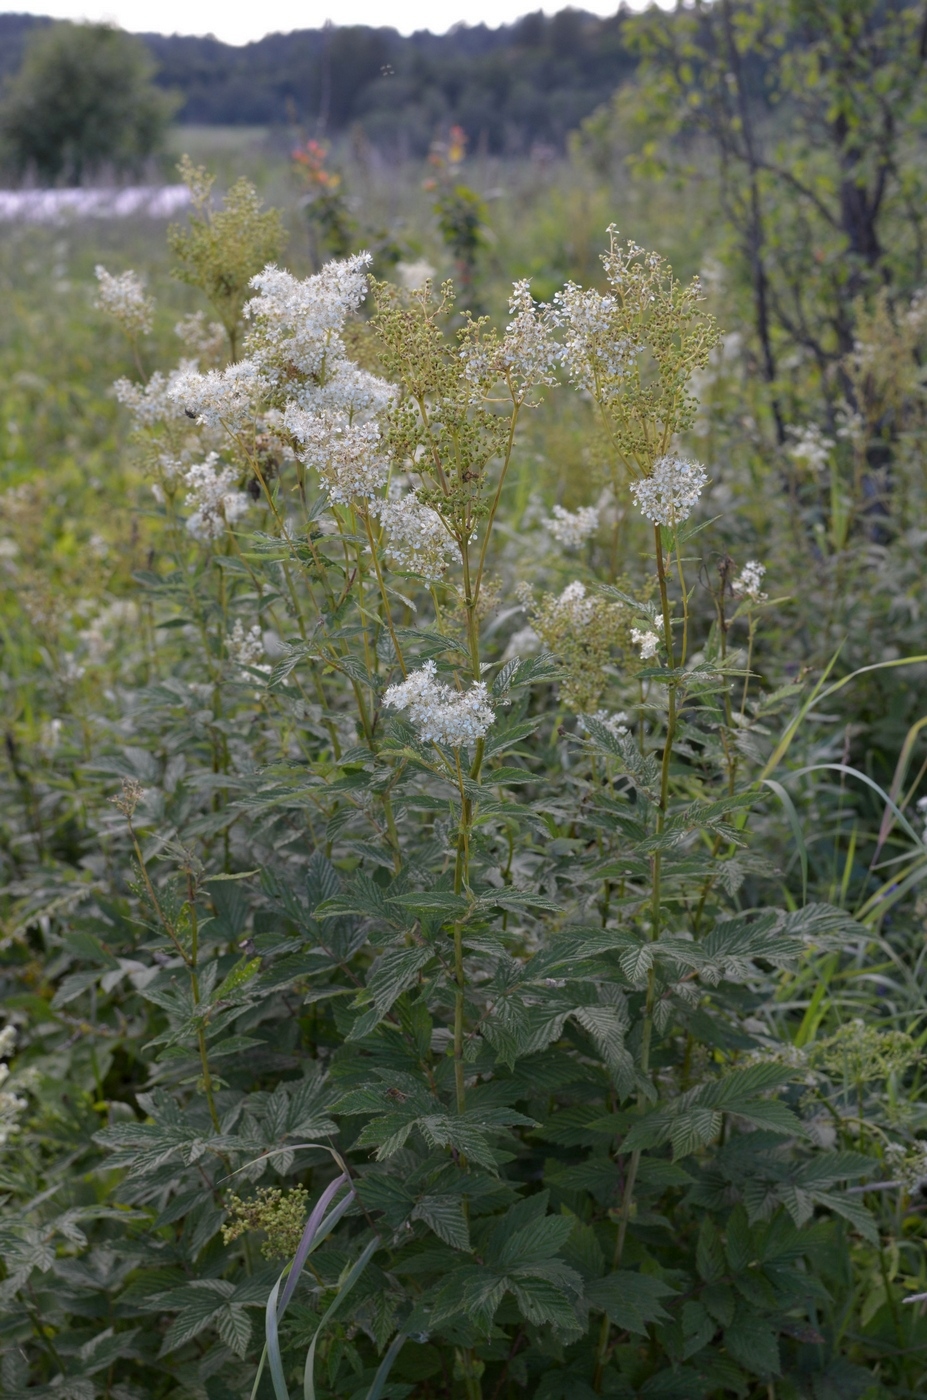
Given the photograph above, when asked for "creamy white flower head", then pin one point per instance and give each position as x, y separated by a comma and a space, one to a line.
810, 447
441, 714
667, 496
347, 389
528, 350
648, 642
8, 1040
346, 455
524, 642
592, 356
154, 402
413, 275
247, 648
228, 398
206, 341
575, 605
124, 298
215, 499
418, 537
922, 808
298, 323
747, 584
573, 528
615, 721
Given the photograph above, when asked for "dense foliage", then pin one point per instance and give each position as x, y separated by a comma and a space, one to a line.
462, 803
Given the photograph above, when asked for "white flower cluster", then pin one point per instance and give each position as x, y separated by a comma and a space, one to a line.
591, 354
346, 455
11, 1105
573, 528
615, 721
667, 496
221, 398
215, 499
440, 714
247, 648
418, 537
648, 642
528, 350
573, 606
154, 402
298, 323
204, 341
296, 356
124, 298
810, 448
748, 583
922, 808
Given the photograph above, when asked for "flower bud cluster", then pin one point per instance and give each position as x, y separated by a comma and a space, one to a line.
440, 714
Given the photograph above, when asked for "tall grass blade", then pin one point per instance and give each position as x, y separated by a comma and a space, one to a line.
356, 1270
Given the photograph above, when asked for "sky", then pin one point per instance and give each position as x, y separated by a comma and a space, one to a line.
238, 22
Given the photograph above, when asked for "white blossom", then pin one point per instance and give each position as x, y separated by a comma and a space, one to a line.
528, 350
202, 340
247, 648
615, 721
298, 322
441, 714
922, 808
228, 398
11, 1105
418, 538
810, 448
593, 357
215, 499
574, 605
667, 496
346, 455
648, 642
154, 402
747, 584
573, 528
124, 298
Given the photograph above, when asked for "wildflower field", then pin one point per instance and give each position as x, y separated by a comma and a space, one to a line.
463, 790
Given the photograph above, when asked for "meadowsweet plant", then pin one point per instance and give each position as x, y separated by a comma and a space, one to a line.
446, 975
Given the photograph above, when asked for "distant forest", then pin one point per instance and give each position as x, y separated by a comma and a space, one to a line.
510, 88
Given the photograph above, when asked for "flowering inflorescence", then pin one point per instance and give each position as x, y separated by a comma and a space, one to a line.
573, 528
440, 714
247, 648
668, 495
748, 582
418, 538
649, 642
214, 498
582, 629
11, 1105
810, 448
124, 298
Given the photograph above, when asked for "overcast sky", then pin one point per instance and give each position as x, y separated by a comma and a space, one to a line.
238, 22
